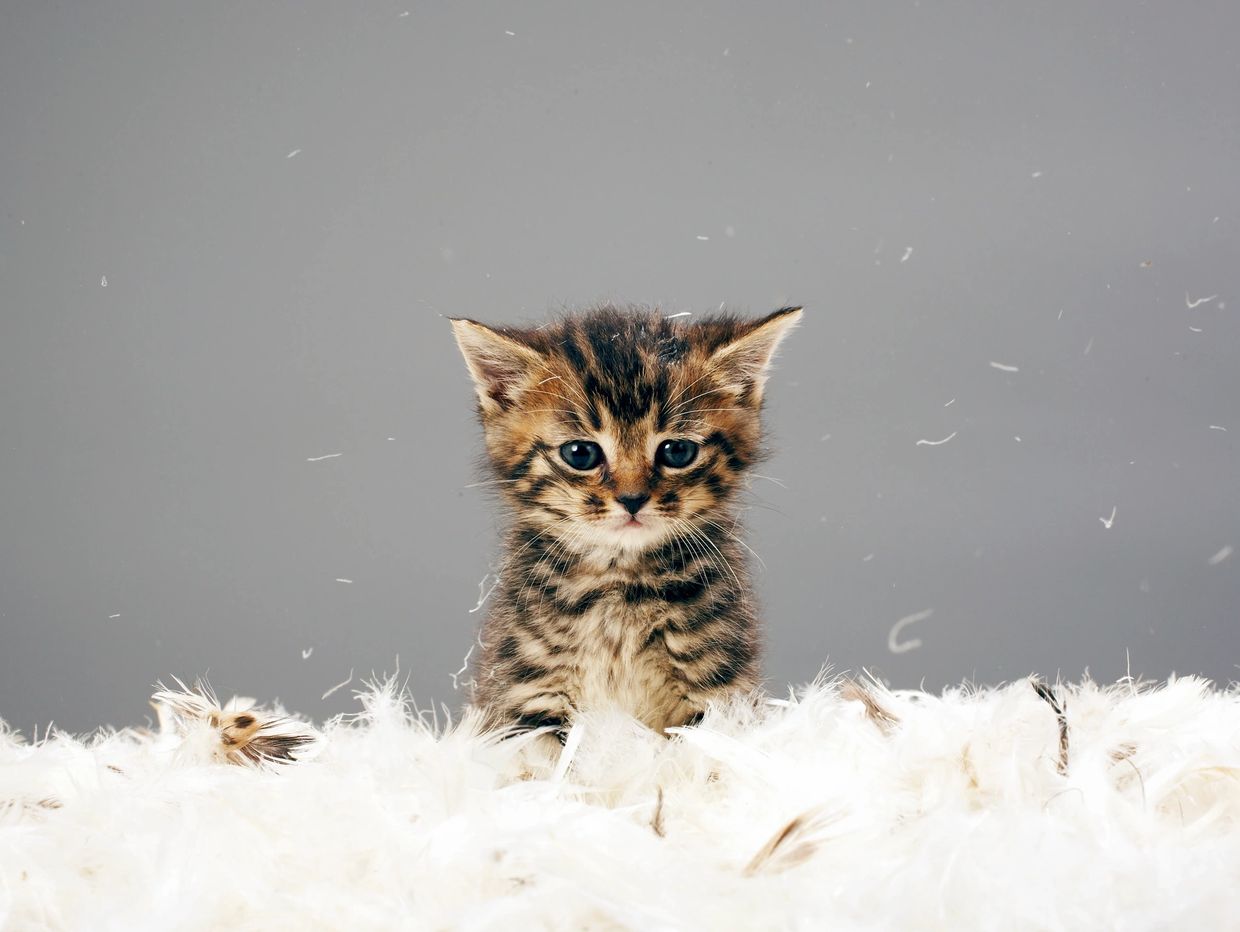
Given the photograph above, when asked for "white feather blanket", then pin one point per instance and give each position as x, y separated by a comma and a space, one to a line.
844, 807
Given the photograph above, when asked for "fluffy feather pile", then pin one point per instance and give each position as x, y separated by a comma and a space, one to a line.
846, 806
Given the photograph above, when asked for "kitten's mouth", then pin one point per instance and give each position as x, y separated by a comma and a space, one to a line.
632, 525
633, 531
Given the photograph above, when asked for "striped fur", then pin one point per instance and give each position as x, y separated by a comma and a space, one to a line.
651, 613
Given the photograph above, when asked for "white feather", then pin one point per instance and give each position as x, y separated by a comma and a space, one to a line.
915, 811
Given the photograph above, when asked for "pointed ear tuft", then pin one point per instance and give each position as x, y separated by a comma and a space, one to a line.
498, 363
745, 359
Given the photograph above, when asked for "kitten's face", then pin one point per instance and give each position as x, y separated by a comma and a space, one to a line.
619, 430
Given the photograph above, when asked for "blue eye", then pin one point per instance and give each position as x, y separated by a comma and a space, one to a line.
676, 453
581, 454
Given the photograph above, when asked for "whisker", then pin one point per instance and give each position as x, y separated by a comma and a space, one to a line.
689, 401
555, 524
578, 392
698, 534
737, 539
477, 485
710, 370
542, 391
764, 505
568, 385
697, 551
778, 482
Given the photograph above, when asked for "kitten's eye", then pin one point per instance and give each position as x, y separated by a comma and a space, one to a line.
676, 453
581, 454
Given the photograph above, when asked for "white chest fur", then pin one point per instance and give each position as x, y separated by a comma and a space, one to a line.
617, 665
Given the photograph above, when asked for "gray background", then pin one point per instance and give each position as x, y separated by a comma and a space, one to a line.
286, 199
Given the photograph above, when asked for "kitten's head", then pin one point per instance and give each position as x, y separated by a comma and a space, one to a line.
615, 428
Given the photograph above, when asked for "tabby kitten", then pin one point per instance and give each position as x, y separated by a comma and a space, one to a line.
619, 440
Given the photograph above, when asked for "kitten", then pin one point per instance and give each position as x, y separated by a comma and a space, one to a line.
619, 440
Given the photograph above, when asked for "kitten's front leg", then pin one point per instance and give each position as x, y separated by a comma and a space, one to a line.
531, 721
514, 709
536, 756
694, 719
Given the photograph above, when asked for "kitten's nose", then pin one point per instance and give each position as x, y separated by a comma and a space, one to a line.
633, 503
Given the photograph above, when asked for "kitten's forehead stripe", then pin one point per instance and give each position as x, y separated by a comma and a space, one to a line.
630, 363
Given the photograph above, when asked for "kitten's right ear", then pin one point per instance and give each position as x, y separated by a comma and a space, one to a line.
498, 363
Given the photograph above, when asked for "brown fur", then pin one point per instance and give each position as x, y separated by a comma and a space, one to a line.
654, 616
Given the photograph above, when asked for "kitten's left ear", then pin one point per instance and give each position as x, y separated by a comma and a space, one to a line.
499, 364
745, 359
